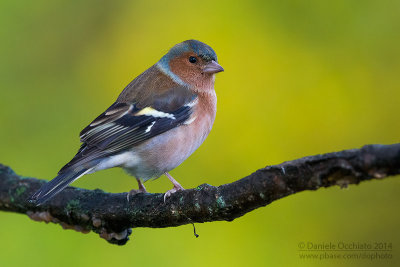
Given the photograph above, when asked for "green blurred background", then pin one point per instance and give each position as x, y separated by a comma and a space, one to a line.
301, 78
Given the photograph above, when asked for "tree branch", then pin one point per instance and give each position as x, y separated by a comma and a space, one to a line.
112, 216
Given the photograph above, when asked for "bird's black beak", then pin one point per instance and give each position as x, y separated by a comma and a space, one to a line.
212, 67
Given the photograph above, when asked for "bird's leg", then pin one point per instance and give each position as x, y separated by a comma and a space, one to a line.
141, 189
176, 187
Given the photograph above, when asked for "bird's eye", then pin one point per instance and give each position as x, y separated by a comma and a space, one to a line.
192, 59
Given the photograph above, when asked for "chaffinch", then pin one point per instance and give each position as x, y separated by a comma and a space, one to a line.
156, 123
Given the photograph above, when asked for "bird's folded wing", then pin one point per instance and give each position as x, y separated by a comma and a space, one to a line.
124, 125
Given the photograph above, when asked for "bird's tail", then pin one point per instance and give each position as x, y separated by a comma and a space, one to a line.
56, 185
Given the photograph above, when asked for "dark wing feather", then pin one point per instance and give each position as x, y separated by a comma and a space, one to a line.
124, 125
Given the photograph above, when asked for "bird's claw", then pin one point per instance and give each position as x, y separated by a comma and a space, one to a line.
135, 191
172, 191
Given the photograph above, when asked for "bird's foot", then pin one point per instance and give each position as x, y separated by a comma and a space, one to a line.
177, 186
133, 192
173, 190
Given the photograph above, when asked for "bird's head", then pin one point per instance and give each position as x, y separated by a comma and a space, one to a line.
191, 63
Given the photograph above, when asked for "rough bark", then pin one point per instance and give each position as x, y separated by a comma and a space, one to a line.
112, 216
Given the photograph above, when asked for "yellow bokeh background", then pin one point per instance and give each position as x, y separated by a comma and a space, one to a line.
301, 78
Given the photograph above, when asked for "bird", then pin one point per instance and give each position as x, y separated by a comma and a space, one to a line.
156, 123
